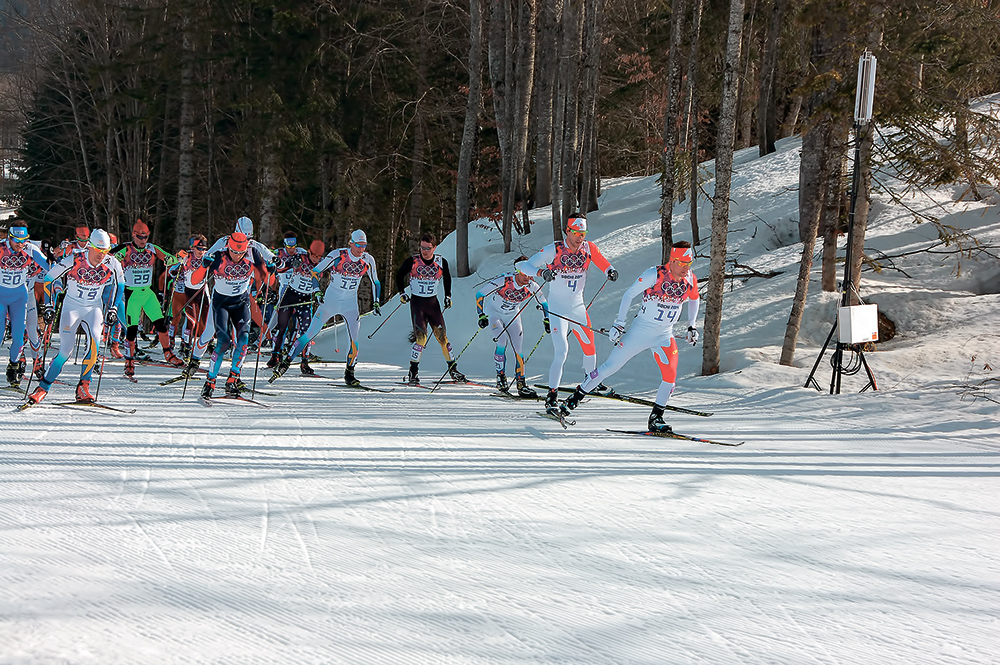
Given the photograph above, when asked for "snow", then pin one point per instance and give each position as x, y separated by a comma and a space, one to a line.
341, 526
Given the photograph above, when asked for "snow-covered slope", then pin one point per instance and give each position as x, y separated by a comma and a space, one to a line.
408, 527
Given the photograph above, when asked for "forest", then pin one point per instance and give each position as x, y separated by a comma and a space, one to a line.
401, 117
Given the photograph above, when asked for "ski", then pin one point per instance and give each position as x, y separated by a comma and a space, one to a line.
362, 387
226, 398
516, 398
611, 394
95, 405
414, 385
562, 420
26, 405
675, 435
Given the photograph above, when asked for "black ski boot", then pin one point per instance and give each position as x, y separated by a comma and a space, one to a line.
552, 399
280, 369
12, 374
412, 377
502, 384
306, 369
206, 390
350, 379
573, 400
601, 389
656, 423
272, 362
22, 365
456, 376
523, 390
233, 385
192, 367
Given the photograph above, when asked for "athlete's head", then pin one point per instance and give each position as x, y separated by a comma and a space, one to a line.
681, 256
198, 243
290, 239
359, 241
245, 226
82, 234
576, 230
428, 243
521, 277
99, 245
18, 233
237, 243
140, 233
316, 250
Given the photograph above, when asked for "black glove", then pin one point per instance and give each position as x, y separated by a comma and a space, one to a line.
48, 314
612, 275
377, 309
547, 325
548, 275
403, 298
447, 302
111, 317
483, 320
692, 335
295, 260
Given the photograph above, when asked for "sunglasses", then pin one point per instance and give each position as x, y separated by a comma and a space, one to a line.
290, 242
102, 250
362, 245
683, 264
582, 234
141, 236
424, 248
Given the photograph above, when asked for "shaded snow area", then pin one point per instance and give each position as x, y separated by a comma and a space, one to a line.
454, 527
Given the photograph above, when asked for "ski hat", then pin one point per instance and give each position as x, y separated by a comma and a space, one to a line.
317, 248
519, 264
140, 228
682, 254
359, 238
82, 232
238, 242
245, 226
100, 239
576, 222
114, 238
18, 233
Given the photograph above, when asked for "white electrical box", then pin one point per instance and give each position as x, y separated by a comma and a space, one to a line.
857, 324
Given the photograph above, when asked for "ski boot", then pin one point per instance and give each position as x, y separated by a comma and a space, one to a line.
272, 362
185, 349
130, 368
206, 390
412, 377
306, 369
552, 404
83, 392
280, 369
656, 423
38, 395
171, 359
21, 366
192, 367
350, 379
523, 390
601, 389
38, 368
116, 350
502, 384
233, 385
453, 372
572, 401
12, 374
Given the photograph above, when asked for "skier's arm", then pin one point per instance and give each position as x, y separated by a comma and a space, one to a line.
61, 267
638, 286
373, 276
402, 273
598, 259
446, 275
540, 261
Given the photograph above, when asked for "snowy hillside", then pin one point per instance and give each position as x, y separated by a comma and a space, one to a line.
339, 526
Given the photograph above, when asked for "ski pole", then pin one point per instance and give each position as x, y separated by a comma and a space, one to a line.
455, 359
260, 340
100, 372
534, 347
598, 293
386, 319
602, 331
514, 318
191, 341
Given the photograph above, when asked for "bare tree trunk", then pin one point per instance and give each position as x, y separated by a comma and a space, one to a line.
692, 117
812, 189
711, 353
570, 158
472, 111
677, 10
745, 97
185, 158
265, 230
549, 43
588, 125
419, 134
833, 200
767, 112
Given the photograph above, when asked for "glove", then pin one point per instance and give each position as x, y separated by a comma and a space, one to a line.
377, 309
616, 332
48, 314
403, 298
546, 325
548, 275
295, 261
612, 275
111, 318
692, 336
447, 302
483, 320
319, 297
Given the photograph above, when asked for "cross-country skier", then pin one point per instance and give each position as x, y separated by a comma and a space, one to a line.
664, 291
347, 267
88, 274
18, 258
81, 238
232, 270
564, 266
138, 259
499, 303
426, 273
298, 291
